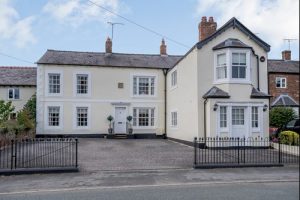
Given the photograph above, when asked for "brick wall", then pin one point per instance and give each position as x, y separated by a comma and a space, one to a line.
292, 88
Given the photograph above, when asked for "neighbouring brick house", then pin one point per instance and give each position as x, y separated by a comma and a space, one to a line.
283, 81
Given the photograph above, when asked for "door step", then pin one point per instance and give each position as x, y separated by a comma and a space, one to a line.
120, 136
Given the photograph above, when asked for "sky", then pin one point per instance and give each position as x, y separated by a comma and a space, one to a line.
29, 27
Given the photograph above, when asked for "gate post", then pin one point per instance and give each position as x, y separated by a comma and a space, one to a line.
76, 151
279, 151
12, 154
195, 151
238, 150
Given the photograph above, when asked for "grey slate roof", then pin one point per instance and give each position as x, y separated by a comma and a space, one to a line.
284, 100
231, 43
109, 60
258, 94
215, 92
233, 22
18, 76
282, 66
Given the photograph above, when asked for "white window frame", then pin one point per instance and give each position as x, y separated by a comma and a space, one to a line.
88, 94
229, 78
80, 105
60, 72
14, 93
281, 82
226, 116
144, 75
228, 113
149, 120
174, 79
61, 116
174, 113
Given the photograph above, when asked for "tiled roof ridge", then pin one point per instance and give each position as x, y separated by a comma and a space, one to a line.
17, 67
116, 53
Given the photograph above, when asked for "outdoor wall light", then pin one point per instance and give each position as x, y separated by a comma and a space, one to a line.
215, 107
265, 107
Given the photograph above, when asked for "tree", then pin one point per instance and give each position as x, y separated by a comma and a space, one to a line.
5, 110
279, 116
30, 106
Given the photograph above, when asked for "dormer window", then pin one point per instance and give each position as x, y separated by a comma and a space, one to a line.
232, 62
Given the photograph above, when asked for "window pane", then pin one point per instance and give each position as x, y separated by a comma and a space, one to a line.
242, 72
254, 116
243, 59
237, 116
17, 93
235, 72
221, 72
221, 59
134, 118
223, 116
134, 85
10, 93
143, 86
235, 58
54, 83
143, 117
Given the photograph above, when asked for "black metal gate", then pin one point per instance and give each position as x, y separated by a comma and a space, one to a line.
243, 152
42, 154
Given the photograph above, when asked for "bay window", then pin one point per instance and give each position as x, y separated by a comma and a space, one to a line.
221, 66
238, 65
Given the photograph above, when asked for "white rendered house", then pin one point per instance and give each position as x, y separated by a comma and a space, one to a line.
219, 88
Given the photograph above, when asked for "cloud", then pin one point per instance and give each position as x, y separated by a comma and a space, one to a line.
273, 20
76, 12
12, 27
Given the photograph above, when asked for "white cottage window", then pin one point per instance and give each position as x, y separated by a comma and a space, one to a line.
221, 66
174, 118
280, 82
254, 117
82, 116
54, 83
53, 115
13, 93
223, 116
174, 78
82, 83
143, 85
239, 65
143, 117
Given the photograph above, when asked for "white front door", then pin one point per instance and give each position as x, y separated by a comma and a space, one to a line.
120, 120
238, 121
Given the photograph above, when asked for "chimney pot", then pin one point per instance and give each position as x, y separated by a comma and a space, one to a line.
108, 46
206, 28
286, 55
163, 48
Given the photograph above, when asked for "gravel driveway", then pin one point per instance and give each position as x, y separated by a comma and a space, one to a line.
142, 154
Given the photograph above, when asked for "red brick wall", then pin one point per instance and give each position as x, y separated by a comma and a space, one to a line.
292, 88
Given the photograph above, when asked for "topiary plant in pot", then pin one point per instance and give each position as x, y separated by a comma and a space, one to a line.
110, 119
129, 119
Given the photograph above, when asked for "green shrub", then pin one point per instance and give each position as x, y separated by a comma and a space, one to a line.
279, 116
289, 137
23, 119
30, 106
5, 109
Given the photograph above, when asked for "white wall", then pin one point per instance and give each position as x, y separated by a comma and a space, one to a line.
105, 95
184, 99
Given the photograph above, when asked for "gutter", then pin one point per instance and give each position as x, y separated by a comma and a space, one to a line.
257, 65
165, 71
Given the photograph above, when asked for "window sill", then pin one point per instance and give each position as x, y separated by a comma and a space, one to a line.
173, 87
143, 127
232, 81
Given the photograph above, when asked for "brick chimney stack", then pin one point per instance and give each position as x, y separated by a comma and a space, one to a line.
286, 55
206, 28
163, 48
108, 46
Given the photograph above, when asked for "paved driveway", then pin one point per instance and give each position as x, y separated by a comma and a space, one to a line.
142, 154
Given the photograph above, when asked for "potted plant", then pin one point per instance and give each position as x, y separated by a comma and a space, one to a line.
110, 119
130, 130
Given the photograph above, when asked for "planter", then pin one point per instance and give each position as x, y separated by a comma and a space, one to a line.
110, 130
130, 131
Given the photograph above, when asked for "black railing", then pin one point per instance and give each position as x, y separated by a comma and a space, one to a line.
41, 153
241, 152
